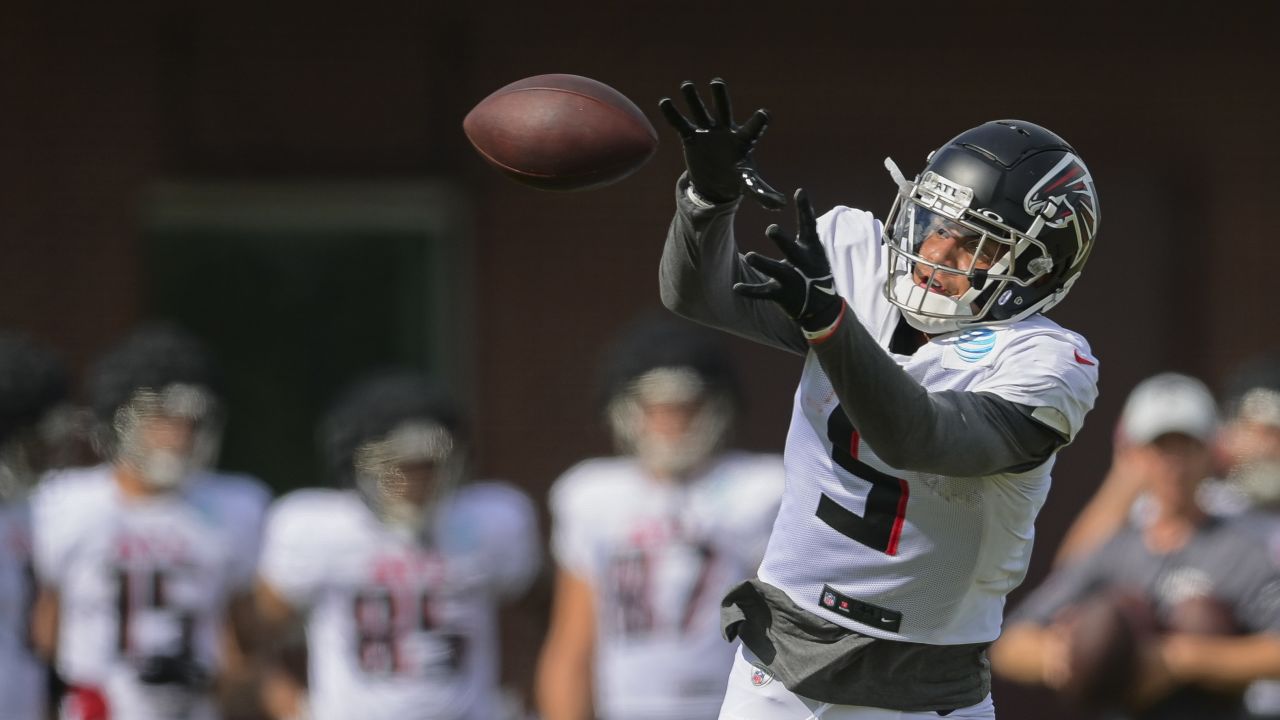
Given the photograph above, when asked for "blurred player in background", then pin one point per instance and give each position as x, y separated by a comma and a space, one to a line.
934, 398
33, 390
146, 562
1214, 590
398, 573
1168, 402
646, 543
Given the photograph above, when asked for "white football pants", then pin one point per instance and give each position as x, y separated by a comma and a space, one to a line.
754, 695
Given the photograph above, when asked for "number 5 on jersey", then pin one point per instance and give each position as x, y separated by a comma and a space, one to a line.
880, 525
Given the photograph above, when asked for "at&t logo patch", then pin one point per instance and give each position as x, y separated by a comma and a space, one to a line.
975, 344
969, 349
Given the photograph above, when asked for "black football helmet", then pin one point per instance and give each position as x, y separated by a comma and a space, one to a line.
380, 428
1027, 202
663, 359
157, 371
33, 386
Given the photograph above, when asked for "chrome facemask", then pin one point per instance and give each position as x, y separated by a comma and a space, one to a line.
167, 468
1258, 474
933, 201
662, 455
382, 481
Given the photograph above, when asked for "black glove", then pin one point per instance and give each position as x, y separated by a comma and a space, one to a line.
718, 152
802, 283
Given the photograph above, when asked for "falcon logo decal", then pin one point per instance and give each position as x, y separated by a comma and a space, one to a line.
1065, 194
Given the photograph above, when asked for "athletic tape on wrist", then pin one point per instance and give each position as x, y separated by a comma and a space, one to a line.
819, 336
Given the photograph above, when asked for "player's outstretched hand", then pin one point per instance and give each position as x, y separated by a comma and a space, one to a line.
801, 283
717, 150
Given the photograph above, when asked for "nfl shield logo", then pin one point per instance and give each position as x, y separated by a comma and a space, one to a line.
829, 599
759, 677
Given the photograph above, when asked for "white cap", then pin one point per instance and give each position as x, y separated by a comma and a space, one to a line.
1169, 403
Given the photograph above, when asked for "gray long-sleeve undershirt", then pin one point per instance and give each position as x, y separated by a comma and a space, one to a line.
955, 433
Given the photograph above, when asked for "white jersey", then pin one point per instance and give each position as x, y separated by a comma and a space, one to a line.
917, 557
144, 577
658, 557
22, 681
396, 630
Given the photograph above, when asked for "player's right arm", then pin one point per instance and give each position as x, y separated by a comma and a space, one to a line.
566, 667
563, 684
700, 261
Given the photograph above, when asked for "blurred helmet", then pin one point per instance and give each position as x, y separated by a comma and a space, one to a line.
33, 391
158, 375
1025, 200
396, 437
1253, 393
665, 361
1252, 437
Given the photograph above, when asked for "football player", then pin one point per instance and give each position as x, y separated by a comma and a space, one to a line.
647, 542
146, 560
934, 397
400, 570
33, 390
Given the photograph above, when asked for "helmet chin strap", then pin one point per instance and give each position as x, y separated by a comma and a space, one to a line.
911, 295
930, 325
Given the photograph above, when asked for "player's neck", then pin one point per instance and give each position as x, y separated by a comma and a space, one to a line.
670, 477
131, 483
1171, 529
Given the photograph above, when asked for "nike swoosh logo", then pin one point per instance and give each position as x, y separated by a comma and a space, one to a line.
827, 290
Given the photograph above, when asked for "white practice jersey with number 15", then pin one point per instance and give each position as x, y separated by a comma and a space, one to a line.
144, 577
658, 557
397, 630
942, 551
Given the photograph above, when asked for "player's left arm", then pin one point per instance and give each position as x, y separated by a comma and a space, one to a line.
45, 615
948, 432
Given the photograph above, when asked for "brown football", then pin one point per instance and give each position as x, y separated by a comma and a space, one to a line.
1106, 632
561, 132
